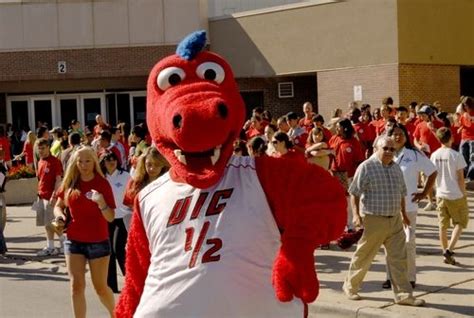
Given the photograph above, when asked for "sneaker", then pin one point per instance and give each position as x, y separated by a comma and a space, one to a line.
411, 301
387, 284
47, 252
413, 284
430, 207
448, 258
352, 296
324, 246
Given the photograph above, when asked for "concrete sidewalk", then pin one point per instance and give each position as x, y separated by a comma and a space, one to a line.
32, 286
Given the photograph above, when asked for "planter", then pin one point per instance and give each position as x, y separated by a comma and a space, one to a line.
21, 191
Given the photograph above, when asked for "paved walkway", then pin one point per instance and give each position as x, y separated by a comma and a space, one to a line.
31, 286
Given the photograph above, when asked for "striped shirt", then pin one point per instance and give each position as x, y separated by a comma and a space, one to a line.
379, 187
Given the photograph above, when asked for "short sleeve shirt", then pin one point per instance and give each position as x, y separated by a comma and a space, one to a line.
48, 169
87, 222
413, 162
448, 162
379, 187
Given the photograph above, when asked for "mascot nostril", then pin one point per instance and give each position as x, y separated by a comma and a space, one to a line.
177, 121
221, 226
223, 111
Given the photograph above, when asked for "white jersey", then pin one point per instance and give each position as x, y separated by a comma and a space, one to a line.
212, 250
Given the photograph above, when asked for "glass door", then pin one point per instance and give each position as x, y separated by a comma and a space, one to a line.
19, 114
68, 109
139, 109
43, 115
92, 106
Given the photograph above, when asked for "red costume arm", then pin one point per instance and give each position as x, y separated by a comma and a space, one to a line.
137, 263
309, 206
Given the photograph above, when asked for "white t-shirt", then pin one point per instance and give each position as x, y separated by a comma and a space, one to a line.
118, 182
212, 250
448, 162
412, 163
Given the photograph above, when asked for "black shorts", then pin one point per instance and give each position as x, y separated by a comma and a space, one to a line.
89, 250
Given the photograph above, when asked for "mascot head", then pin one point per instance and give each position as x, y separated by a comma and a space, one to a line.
194, 111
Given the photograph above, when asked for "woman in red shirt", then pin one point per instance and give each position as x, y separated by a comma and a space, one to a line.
284, 147
90, 201
348, 155
467, 136
27, 152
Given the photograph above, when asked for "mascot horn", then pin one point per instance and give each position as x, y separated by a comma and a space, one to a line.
221, 236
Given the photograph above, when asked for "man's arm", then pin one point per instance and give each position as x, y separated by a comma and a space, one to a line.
356, 219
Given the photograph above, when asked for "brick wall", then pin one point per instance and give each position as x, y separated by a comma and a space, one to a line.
305, 89
81, 63
336, 87
429, 83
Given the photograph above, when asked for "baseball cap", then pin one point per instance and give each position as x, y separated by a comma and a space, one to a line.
56, 130
425, 109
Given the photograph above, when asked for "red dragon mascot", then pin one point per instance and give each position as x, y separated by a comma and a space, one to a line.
221, 236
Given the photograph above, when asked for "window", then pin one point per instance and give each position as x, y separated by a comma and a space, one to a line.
285, 90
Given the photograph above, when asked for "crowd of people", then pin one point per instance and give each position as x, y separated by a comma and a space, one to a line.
87, 182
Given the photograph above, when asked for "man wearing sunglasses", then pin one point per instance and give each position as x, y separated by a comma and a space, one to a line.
378, 203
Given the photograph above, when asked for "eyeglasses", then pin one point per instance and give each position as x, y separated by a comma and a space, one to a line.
391, 149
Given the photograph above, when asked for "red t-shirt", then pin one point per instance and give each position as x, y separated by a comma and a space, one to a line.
5, 145
307, 124
87, 222
252, 132
365, 131
28, 150
348, 154
467, 124
292, 154
130, 193
48, 169
411, 130
425, 135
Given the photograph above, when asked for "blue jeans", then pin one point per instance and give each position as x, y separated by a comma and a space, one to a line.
89, 250
466, 148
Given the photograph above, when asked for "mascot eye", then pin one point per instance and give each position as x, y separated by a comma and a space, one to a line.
170, 76
211, 71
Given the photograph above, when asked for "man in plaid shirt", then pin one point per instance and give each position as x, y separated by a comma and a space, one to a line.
378, 202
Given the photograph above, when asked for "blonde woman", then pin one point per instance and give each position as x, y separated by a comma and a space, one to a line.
150, 166
90, 202
27, 152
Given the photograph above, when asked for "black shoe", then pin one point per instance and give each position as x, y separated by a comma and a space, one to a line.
413, 284
448, 258
387, 284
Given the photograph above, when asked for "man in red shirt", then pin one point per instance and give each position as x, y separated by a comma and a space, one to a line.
307, 121
105, 145
425, 132
49, 179
101, 125
380, 124
402, 118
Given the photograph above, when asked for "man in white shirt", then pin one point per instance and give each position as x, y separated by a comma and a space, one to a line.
450, 193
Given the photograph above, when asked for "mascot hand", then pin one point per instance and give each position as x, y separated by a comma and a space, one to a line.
294, 273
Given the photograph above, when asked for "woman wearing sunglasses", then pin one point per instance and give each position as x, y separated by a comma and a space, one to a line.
118, 179
284, 147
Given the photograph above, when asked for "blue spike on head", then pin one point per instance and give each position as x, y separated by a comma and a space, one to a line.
191, 45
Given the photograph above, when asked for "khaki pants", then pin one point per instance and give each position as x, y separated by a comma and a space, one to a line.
411, 249
378, 231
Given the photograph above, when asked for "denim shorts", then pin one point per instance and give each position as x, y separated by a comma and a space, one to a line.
89, 250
